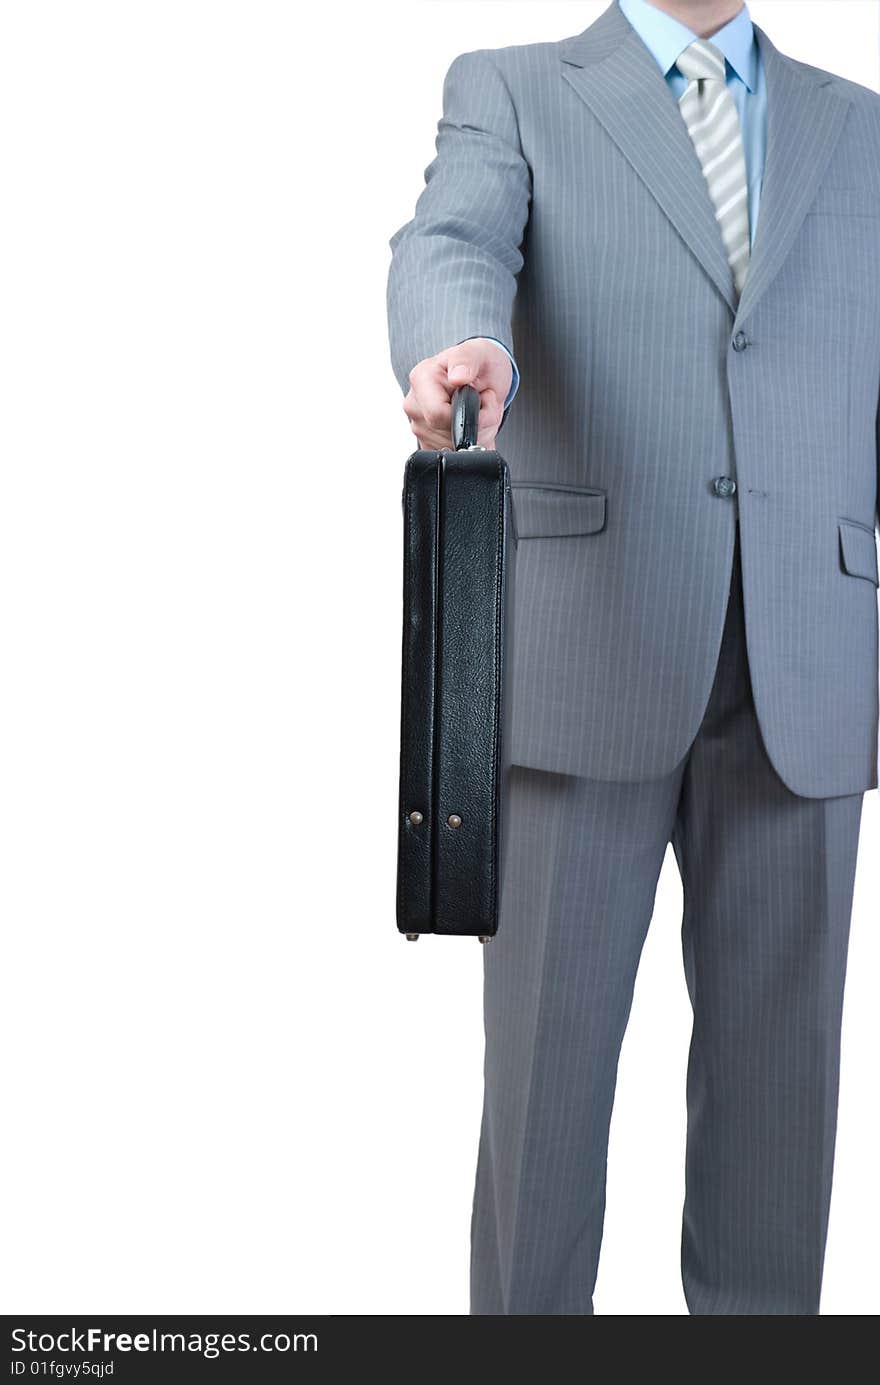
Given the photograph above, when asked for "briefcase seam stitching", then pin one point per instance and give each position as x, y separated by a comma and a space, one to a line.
402, 913
499, 587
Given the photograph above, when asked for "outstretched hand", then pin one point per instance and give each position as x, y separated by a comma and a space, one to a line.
428, 405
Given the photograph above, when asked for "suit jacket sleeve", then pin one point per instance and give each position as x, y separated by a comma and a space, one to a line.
454, 265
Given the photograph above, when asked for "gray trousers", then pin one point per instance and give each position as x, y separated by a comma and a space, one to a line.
768, 881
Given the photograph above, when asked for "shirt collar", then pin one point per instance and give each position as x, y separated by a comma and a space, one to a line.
667, 37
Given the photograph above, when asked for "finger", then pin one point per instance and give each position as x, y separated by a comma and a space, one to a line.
491, 413
432, 399
461, 363
481, 363
428, 439
413, 410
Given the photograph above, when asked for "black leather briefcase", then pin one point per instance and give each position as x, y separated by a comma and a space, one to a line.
458, 575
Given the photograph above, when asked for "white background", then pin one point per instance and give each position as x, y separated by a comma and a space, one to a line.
230, 1085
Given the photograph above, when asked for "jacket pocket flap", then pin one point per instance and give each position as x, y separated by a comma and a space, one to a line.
858, 551
549, 512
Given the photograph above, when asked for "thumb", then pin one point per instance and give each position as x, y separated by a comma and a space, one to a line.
461, 369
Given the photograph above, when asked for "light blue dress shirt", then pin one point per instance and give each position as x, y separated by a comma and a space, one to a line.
666, 38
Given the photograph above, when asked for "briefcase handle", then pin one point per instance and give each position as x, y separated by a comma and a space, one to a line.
465, 417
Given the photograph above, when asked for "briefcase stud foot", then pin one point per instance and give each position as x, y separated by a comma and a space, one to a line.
484, 938
454, 820
412, 937
416, 818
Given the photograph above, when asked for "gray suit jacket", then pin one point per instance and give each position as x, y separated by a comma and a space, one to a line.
566, 214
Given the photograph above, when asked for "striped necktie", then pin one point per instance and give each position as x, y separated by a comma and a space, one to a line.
710, 115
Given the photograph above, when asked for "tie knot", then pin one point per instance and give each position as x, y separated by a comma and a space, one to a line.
702, 59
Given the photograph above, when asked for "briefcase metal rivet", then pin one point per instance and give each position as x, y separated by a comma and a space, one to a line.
454, 820
412, 937
416, 819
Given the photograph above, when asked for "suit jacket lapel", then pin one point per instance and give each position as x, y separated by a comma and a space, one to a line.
805, 118
613, 72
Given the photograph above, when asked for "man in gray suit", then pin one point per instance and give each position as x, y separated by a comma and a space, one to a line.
694, 454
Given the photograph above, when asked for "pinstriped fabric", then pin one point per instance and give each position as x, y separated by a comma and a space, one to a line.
768, 880
567, 215
455, 265
558, 984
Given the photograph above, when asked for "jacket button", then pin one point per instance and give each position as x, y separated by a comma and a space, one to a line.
740, 341
724, 486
